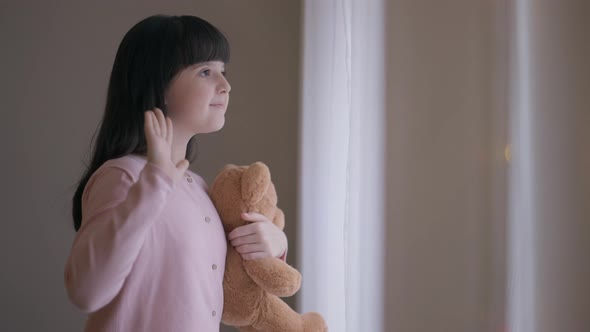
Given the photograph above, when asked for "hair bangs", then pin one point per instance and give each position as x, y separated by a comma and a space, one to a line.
201, 42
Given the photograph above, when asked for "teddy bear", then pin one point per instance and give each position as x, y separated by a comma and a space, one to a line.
252, 288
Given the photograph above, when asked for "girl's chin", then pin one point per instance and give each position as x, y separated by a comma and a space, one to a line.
213, 127
221, 124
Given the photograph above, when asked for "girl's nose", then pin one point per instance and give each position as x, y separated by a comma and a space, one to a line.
224, 86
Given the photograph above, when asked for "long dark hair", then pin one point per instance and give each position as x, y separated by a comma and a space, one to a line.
151, 53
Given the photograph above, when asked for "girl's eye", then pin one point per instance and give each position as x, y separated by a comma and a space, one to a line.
207, 72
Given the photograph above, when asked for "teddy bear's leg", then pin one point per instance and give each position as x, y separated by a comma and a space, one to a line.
246, 329
314, 322
276, 315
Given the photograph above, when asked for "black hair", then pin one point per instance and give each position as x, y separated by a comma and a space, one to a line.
151, 53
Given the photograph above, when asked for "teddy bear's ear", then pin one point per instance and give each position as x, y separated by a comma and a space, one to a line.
255, 182
228, 166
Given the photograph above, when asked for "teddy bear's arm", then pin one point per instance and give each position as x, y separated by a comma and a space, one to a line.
274, 276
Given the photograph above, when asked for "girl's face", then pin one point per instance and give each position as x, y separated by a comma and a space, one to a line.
197, 98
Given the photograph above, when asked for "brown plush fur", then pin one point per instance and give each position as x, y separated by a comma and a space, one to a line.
252, 287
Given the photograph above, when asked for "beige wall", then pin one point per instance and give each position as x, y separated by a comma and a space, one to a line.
560, 72
444, 164
55, 62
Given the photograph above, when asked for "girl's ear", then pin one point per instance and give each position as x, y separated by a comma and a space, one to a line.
255, 182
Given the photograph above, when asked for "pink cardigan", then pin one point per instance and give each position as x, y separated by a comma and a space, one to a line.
150, 254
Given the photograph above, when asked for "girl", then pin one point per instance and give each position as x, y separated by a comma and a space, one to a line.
149, 253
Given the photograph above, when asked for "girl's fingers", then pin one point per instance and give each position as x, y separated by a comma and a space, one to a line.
246, 239
169, 131
250, 248
163, 125
154, 123
253, 216
150, 128
158, 122
242, 230
255, 255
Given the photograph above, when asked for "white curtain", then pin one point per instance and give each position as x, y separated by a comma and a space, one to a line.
444, 165
342, 163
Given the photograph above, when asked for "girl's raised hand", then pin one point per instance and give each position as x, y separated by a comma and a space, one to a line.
158, 133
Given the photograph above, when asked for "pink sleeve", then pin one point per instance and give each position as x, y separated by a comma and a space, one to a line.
116, 216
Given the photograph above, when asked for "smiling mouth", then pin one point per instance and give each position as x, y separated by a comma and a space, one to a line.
217, 105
